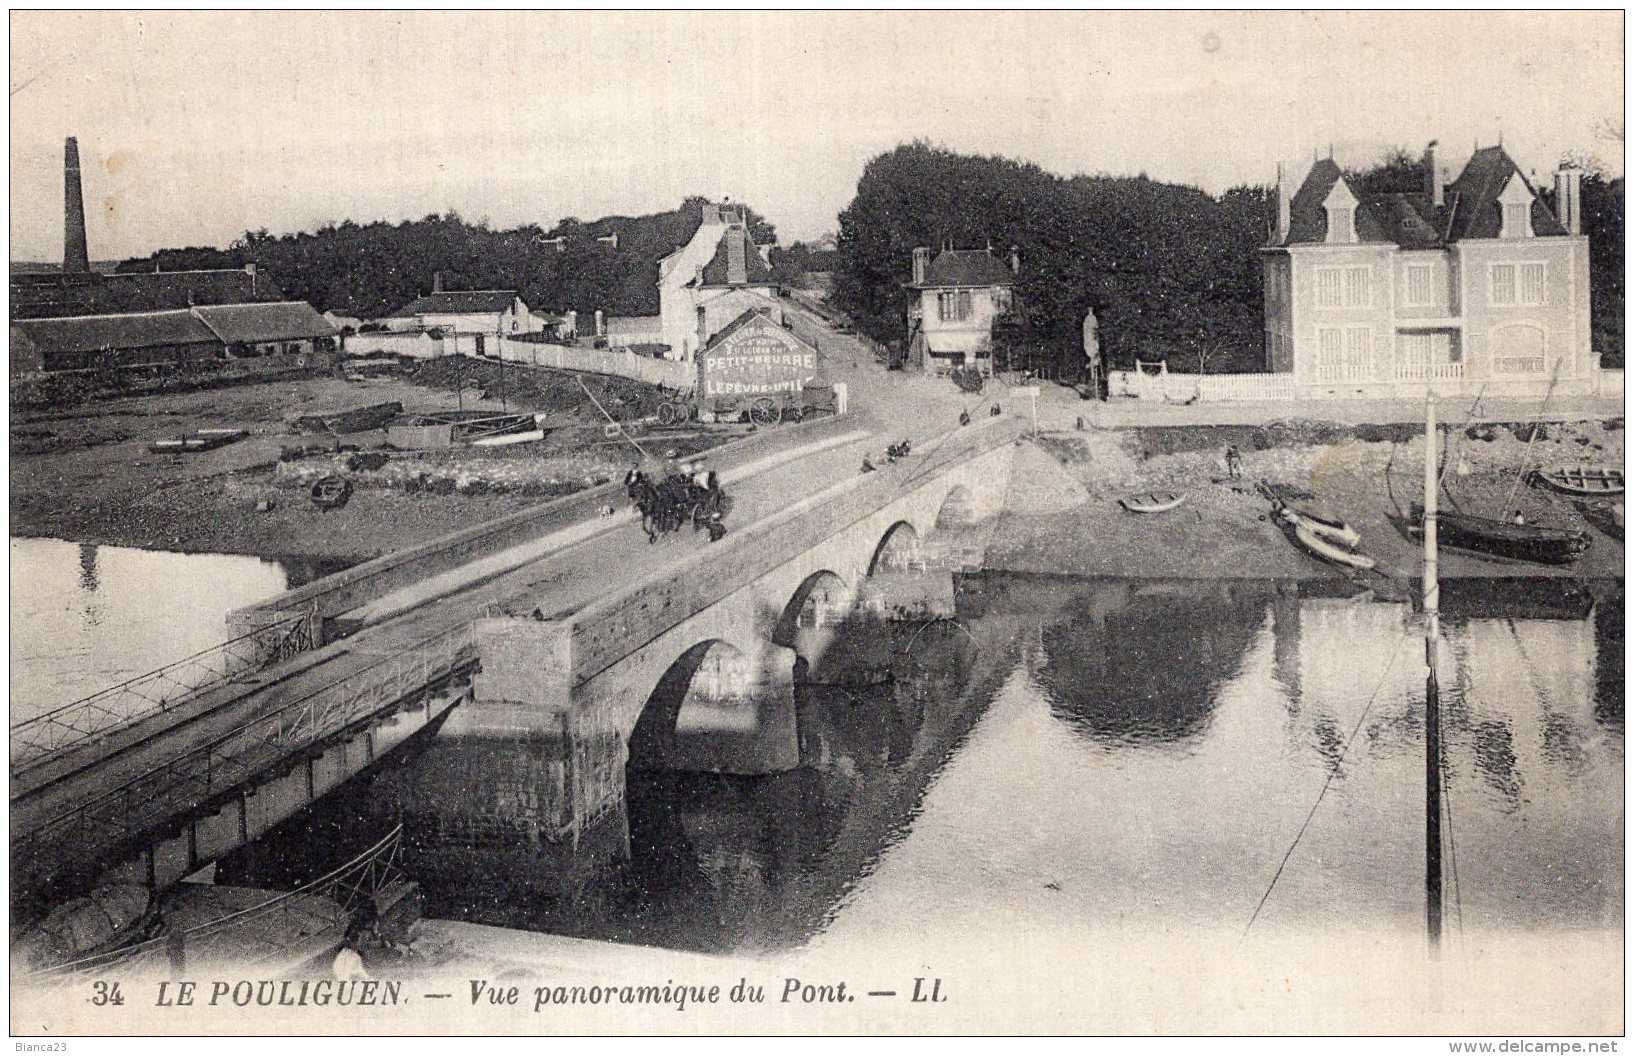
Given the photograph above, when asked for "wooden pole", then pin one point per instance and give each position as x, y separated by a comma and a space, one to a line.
1432, 701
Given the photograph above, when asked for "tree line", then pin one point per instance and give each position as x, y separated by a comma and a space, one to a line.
1171, 272
371, 270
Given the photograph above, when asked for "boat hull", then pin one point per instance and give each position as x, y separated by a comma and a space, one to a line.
1151, 502
1515, 542
1584, 480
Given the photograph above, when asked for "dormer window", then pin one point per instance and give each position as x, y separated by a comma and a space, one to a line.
1341, 207
1516, 201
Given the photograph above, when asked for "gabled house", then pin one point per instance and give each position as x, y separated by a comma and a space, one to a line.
712, 280
955, 297
1458, 287
470, 321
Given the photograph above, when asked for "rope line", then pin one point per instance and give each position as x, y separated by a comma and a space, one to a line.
610, 418
1333, 772
1452, 844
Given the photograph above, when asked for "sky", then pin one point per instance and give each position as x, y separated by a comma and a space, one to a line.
194, 127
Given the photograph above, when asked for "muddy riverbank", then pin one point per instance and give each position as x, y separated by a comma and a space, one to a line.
87, 475
1064, 515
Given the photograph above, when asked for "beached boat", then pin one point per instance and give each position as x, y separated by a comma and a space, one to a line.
1151, 502
1323, 539
331, 492
215, 927
1516, 542
1583, 479
1330, 551
1324, 525
109, 917
202, 440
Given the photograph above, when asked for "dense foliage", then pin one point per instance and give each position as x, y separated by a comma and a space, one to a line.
1170, 272
371, 270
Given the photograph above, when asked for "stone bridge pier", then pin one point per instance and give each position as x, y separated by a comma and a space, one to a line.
695, 667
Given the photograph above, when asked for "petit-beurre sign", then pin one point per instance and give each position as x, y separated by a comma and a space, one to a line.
915, 522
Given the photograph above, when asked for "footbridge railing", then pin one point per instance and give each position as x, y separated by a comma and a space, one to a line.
134, 699
121, 816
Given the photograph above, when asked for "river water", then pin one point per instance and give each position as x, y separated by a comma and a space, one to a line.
1077, 754
1161, 756
84, 616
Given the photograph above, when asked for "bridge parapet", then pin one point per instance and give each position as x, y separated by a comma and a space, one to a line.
610, 629
332, 595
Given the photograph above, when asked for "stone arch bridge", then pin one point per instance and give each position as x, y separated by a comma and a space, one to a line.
694, 668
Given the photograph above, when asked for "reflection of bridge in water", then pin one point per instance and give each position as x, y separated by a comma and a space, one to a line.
680, 657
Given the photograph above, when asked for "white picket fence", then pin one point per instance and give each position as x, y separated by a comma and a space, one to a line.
1164, 386
624, 363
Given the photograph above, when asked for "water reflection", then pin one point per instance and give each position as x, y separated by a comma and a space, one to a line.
1071, 753
1110, 653
84, 617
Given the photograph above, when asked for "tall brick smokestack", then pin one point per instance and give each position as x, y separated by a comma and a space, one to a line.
75, 258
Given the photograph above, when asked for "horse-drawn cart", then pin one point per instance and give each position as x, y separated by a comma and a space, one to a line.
767, 408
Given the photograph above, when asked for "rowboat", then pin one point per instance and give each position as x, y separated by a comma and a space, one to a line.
1329, 551
202, 440
1151, 502
1324, 524
1583, 479
1518, 542
1325, 540
331, 492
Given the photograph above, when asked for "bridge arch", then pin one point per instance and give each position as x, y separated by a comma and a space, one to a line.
813, 604
719, 708
898, 549
957, 509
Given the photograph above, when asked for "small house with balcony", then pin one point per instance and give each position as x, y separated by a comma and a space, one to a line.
1458, 287
953, 300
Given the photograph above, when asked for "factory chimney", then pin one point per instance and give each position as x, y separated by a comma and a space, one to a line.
76, 258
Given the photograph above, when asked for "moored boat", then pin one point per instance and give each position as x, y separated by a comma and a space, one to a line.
1517, 542
202, 440
1151, 502
1583, 479
110, 916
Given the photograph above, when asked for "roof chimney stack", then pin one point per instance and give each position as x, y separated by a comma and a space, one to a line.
1434, 175
737, 257
436, 282
1285, 215
76, 258
921, 262
1569, 199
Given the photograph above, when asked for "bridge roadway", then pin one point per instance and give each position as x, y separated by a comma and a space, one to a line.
91, 808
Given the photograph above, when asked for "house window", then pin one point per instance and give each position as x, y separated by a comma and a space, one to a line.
1415, 357
1358, 287
1358, 346
1503, 284
1001, 298
1532, 277
1329, 353
1344, 287
1327, 287
953, 306
1420, 286
1517, 219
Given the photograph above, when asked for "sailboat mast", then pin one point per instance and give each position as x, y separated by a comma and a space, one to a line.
1432, 698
